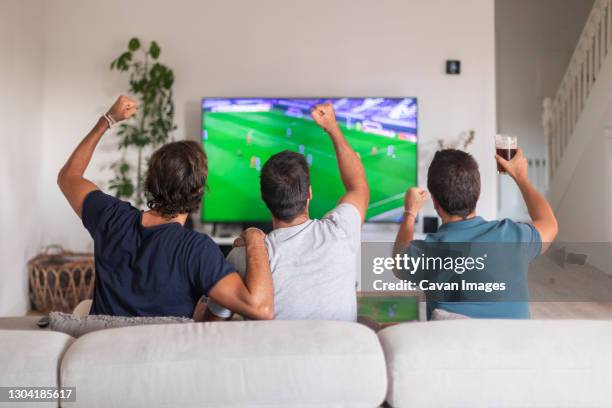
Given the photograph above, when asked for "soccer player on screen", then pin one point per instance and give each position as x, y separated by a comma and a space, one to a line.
314, 262
309, 159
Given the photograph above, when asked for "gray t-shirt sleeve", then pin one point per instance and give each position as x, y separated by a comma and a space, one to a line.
237, 257
347, 220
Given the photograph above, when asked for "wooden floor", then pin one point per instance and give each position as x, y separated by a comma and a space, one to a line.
569, 292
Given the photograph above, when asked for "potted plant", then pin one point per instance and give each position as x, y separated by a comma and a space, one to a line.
151, 84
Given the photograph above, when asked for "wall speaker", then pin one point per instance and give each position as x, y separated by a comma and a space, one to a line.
430, 225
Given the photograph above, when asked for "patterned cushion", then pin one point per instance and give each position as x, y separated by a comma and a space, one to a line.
77, 326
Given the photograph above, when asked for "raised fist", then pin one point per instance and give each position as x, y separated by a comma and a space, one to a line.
122, 109
251, 235
414, 200
324, 116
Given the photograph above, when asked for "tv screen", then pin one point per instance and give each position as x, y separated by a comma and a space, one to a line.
239, 135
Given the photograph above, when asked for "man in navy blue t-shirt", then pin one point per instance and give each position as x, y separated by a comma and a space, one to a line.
453, 180
147, 263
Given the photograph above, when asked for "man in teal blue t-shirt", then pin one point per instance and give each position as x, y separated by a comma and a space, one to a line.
453, 181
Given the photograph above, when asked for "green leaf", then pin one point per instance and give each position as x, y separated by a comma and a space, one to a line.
168, 79
154, 50
123, 60
134, 44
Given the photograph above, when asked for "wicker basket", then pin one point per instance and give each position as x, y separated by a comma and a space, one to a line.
60, 279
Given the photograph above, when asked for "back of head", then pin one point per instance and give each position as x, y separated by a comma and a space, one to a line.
176, 178
453, 180
285, 184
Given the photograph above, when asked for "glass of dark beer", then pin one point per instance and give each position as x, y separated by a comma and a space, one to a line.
506, 147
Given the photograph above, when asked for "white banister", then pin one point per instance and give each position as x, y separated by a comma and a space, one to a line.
593, 47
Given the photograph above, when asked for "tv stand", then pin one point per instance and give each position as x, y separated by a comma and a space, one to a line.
224, 234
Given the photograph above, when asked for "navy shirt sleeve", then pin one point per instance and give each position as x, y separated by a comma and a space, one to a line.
100, 209
212, 266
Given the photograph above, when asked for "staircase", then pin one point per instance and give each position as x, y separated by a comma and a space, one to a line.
582, 101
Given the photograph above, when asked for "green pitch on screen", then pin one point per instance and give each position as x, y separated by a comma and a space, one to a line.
236, 139
389, 309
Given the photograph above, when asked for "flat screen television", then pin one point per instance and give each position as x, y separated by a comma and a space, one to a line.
239, 135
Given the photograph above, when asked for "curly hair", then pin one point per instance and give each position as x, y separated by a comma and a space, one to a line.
176, 178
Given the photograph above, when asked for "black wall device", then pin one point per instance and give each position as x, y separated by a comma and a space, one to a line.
453, 67
430, 225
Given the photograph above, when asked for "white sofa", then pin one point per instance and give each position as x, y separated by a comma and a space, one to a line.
467, 363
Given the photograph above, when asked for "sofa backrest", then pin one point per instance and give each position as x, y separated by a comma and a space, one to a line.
229, 364
485, 363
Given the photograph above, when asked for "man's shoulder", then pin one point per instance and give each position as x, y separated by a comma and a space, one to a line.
197, 238
504, 230
344, 210
343, 221
103, 213
516, 231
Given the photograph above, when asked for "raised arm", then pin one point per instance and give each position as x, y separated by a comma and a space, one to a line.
70, 178
542, 216
253, 297
414, 200
351, 169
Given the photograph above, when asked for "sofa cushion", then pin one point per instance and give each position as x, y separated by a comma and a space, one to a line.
228, 364
31, 358
76, 326
500, 363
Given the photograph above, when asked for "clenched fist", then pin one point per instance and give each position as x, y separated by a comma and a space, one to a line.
250, 235
414, 200
122, 109
324, 116
517, 167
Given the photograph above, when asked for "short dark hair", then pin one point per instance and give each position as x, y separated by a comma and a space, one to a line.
176, 178
453, 180
285, 181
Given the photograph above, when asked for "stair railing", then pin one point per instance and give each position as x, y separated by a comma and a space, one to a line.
563, 112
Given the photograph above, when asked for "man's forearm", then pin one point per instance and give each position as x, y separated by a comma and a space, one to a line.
537, 205
351, 169
79, 159
259, 278
542, 216
404, 237
70, 178
405, 234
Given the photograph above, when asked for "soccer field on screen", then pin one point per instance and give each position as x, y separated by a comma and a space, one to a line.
239, 143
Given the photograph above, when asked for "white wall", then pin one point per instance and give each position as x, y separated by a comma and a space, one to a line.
20, 154
584, 207
269, 47
535, 41
265, 48
585, 213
